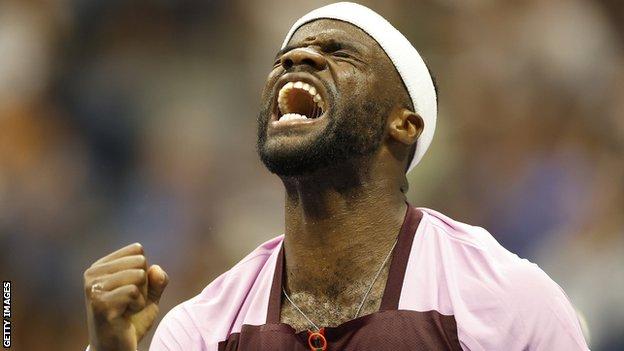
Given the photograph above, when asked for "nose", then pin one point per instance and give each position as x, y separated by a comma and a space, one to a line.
303, 56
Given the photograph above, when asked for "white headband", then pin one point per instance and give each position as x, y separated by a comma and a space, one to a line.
404, 56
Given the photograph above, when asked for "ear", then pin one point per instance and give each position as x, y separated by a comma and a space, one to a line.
405, 126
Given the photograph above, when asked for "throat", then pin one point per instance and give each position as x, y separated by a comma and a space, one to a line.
331, 286
338, 242
334, 259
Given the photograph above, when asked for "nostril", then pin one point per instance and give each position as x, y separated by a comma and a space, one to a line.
287, 63
309, 62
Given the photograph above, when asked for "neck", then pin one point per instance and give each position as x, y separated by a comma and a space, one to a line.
338, 231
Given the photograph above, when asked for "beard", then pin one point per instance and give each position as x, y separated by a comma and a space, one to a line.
354, 130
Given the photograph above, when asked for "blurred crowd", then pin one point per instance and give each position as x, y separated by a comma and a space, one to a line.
125, 121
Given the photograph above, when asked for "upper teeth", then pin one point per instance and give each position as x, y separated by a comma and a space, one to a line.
283, 101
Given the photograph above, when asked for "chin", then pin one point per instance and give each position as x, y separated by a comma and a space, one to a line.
290, 158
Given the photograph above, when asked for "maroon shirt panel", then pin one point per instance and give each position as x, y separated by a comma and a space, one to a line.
398, 330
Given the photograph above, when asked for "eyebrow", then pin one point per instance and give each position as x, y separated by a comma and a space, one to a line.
323, 43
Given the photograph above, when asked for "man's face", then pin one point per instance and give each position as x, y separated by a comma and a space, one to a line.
326, 100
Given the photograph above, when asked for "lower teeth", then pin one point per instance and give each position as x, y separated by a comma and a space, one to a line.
291, 116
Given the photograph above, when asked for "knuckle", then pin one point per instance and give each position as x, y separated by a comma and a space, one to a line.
141, 275
88, 273
134, 291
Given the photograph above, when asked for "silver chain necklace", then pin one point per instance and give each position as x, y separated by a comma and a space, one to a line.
370, 287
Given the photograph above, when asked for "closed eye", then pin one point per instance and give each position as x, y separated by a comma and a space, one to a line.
341, 53
340, 50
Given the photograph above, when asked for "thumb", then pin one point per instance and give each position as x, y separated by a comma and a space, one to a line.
157, 282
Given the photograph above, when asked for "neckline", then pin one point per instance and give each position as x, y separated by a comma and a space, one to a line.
394, 282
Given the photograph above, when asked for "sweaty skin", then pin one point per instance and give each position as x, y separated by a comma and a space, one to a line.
341, 220
344, 180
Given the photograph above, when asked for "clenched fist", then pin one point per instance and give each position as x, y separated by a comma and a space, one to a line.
122, 297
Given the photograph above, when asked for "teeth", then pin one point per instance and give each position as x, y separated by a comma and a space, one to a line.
291, 116
283, 101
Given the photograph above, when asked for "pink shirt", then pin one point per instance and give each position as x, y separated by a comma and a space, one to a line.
486, 297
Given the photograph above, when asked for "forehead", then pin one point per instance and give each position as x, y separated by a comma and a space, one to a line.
329, 29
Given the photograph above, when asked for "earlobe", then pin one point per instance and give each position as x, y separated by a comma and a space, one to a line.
406, 126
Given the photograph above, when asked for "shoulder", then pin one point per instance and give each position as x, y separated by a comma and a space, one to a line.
548, 318
240, 276
494, 292
210, 314
472, 249
457, 233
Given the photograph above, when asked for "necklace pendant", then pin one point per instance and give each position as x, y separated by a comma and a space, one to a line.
317, 341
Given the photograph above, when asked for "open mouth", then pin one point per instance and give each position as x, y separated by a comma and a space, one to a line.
299, 101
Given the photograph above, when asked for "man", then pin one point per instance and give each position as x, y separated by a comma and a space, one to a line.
349, 107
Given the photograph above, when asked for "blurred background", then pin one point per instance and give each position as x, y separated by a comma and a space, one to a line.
125, 121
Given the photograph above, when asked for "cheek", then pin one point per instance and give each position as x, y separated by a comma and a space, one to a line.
358, 88
270, 83
355, 82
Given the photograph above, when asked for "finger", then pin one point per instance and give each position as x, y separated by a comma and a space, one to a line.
136, 305
132, 249
157, 280
113, 304
119, 264
135, 276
